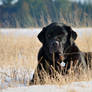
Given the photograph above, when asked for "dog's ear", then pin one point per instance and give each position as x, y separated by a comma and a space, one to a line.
41, 35
72, 34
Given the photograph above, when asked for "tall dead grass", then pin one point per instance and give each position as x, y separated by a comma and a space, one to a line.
21, 52
18, 51
84, 42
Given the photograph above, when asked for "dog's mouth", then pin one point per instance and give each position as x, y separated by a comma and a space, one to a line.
59, 56
58, 53
60, 59
54, 47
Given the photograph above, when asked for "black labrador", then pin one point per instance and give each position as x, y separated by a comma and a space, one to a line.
58, 51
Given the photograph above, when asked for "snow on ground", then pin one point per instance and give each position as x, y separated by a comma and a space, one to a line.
73, 87
20, 31
12, 77
35, 31
83, 31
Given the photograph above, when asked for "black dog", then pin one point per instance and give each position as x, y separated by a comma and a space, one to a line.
58, 50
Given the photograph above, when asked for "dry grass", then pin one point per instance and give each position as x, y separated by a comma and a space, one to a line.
21, 53
18, 57
85, 42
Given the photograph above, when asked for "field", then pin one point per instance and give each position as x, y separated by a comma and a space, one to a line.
18, 59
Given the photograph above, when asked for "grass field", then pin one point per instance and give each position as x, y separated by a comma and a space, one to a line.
18, 58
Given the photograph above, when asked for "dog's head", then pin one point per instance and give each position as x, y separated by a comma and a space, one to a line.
57, 37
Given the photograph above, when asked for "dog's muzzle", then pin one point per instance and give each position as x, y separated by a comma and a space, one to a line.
54, 46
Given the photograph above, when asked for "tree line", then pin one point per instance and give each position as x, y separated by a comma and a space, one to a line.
38, 13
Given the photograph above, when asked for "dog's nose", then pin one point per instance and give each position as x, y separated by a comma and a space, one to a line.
55, 43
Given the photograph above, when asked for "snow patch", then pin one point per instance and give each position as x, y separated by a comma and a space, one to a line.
73, 87
35, 31
31, 75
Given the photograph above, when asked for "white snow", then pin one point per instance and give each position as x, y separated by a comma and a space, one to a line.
20, 31
73, 87
35, 31
31, 75
82, 31
14, 77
